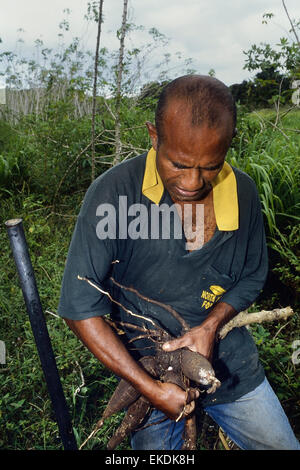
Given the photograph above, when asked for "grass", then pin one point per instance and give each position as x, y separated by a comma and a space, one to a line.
26, 415
273, 161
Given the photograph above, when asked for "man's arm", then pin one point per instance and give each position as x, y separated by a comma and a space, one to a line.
100, 339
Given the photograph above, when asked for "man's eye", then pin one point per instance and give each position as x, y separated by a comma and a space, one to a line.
211, 169
177, 165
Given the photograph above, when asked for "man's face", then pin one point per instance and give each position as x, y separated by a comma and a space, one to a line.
189, 158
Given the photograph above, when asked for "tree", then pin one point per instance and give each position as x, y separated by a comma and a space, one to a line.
121, 34
284, 58
276, 69
99, 19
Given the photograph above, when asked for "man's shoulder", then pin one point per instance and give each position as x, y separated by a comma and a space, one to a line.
123, 179
248, 196
244, 182
128, 170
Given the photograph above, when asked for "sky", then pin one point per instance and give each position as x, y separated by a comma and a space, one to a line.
213, 33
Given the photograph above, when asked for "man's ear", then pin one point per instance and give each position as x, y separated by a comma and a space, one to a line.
152, 134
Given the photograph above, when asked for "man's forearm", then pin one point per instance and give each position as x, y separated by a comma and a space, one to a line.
220, 314
100, 339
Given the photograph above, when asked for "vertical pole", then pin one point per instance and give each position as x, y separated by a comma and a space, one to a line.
39, 328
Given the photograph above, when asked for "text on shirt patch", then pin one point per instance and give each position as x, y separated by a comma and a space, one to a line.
211, 297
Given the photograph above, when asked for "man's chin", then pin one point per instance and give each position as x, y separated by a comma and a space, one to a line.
193, 197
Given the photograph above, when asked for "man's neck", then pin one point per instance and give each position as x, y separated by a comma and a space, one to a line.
199, 225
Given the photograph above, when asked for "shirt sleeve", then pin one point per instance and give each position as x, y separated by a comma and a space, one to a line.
255, 270
91, 257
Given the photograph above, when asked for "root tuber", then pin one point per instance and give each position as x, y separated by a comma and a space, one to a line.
197, 368
133, 418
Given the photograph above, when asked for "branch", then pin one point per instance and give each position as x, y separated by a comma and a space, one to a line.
114, 325
244, 318
272, 124
82, 380
291, 23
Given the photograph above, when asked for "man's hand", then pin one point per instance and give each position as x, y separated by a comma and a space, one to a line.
201, 338
173, 401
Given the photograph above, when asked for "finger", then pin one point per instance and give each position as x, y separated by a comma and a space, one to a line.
192, 394
173, 344
186, 410
189, 408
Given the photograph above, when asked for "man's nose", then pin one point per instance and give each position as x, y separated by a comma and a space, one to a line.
192, 180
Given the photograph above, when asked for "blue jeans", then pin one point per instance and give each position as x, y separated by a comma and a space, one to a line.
255, 421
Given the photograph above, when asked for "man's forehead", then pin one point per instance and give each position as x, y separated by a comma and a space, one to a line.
179, 114
180, 131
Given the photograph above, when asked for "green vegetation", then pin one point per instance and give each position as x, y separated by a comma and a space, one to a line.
45, 169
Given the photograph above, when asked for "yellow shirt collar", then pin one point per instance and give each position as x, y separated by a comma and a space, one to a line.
224, 192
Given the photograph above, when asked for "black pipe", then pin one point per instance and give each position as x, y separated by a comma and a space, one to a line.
38, 324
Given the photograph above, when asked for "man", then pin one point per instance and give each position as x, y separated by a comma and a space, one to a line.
208, 271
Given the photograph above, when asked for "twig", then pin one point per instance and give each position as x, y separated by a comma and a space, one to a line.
292, 130
46, 273
115, 301
281, 328
129, 325
272, 124
277, 106
51, 313
82, 380
109, 110
142, 337
287, 111
35, 406
89, 437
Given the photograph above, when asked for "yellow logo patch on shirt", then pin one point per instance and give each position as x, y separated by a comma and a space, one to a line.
211, 297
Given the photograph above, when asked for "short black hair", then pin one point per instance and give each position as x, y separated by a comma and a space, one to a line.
205, 96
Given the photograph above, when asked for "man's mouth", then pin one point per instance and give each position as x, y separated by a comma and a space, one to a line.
188, 194
198, 195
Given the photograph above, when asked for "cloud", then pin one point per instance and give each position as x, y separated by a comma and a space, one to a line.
215, 33
212, 32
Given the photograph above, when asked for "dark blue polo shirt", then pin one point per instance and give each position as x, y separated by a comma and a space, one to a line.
154, 259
